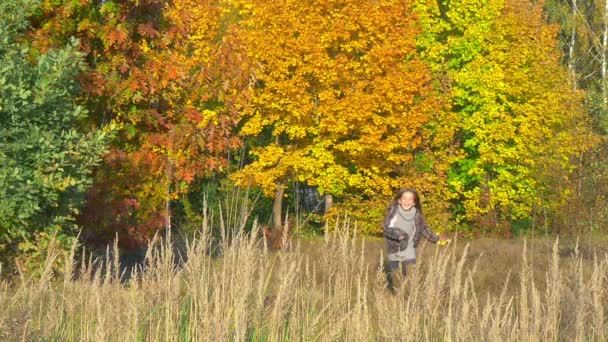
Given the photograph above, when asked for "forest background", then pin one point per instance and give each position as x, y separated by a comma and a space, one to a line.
128, 118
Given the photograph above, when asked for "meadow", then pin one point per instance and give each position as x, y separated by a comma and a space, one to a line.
317, 289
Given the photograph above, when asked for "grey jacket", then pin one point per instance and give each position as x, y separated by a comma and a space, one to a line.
392, 234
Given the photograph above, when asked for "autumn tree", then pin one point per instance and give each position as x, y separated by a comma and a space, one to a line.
175, 110
520, 123
340, 98
583, 40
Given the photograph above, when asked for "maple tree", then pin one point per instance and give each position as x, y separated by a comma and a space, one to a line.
176, 106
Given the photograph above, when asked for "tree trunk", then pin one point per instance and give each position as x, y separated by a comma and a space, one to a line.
169, 175
277, 206
604, 56
329, 200
571, 60
167, 212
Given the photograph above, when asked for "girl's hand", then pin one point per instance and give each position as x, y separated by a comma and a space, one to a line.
443, 240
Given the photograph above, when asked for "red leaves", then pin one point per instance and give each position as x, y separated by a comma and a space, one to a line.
147, 30
123, 68
160, 120
125, 207
171, 72
147, 72
159, 140
134, 85
193, 115
115, 157
186, 175
93, 83
116, 37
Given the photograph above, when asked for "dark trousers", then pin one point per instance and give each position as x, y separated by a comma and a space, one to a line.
393, 265
390, 267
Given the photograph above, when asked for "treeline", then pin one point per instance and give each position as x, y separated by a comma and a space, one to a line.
119, 116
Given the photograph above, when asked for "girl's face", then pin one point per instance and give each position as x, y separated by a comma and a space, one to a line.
407, 200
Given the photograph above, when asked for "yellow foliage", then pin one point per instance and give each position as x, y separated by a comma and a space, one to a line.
340, 87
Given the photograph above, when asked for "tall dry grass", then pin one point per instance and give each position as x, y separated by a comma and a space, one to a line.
251, 293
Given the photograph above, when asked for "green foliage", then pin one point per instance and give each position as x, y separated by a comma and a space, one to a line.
521, 226
45, 156
519, 122
218, 202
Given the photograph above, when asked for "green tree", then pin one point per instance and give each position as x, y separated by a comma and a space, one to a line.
584, 44
520, 123
46, 158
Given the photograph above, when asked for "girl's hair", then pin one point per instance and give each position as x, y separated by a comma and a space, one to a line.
400, 193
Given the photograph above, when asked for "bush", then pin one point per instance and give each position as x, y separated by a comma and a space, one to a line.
45, 157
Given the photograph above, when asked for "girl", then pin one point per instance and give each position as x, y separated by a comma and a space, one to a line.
403, 226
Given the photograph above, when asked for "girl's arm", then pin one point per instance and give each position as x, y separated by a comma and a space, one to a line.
392, 233
389, 232
427, 232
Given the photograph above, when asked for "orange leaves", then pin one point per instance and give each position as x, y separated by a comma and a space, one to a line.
134, 85
147, 30
185, 174
334, 75
115, 38
193, 115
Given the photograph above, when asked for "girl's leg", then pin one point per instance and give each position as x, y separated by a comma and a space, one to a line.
390, 267
394, 265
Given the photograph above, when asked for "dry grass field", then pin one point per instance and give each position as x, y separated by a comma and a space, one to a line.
321, 289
